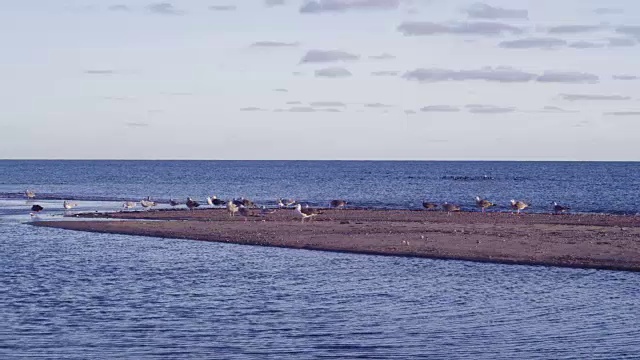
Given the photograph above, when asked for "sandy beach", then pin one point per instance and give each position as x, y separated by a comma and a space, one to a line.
586, 241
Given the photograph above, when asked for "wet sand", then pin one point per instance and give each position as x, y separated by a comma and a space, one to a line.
585, 241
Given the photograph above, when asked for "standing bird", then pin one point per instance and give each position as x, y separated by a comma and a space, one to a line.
558, 209
192, 204
307, 212
338, 203
483, 203
449, 208
232, 208
147, 203
216, 201
129, 205
209, 201
68, 205
173, 202
29, 194
36, 209
429, 205
518, 205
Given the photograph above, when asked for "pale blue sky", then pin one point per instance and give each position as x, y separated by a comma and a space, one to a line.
352, 79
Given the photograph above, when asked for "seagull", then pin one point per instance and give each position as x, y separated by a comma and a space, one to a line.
192, 204
232, 208
483, 203
29, 194
449, 208
68, 205
147, 203
129, 205
173, 202
36, 209
518, 205
338, 203
429, 205
209, 201
307, 212
216, 201
559, 208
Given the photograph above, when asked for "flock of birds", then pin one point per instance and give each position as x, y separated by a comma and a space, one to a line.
246, 207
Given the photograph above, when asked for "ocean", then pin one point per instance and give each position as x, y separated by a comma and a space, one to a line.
72, 295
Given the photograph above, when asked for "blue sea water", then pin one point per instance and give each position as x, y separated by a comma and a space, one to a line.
73, 295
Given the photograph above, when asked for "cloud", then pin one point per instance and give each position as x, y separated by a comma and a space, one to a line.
621, 42
297, 73
574, 29
301, 109
608, 11
497, 74
274, 44
252, 108
119, 7
584, 45
222, 7
271, 3
333, 72
323, 56
484, 11
410, 112
623, 113
569, 77
321, 6
531, 43
293, 103
589, 97
625, 77
100, 72
556, 109
489, 109
281, 90
385, 73
136, 124
633, 30
328, 104
439, 108
378, 105
383, 56
330, 110
164, 8
425, 28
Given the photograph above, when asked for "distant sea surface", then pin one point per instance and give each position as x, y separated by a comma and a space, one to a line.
73, 295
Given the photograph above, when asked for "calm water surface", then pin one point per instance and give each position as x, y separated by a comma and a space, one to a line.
79, 295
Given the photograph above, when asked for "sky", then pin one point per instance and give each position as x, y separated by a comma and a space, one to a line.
322, 79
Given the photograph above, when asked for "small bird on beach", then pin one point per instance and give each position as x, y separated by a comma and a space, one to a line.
29, 194
173, 202
449, 208
68, 205
192, 204
429, 205
559, 209
518, 205
244, 202
129, 205
306, 212
232, 208
483, 203
36, 209
216, 201
337, 204
209, 201
147, 203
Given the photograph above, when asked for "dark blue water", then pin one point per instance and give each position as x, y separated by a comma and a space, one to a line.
80, 295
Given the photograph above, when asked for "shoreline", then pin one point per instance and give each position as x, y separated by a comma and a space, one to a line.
610, 242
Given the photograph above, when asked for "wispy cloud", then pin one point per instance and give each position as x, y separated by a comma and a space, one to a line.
333, 72
252, 108
385, 73
532, 43
569, 77
623, 113
119, 7
322, 6
323, 56
164, 8
281, 90
410, 112
575, 29
136, 124
100, 72
271, 3
378, 105
489, 109
625, 77
383, 56
293, 103
621, 42
222, 7
556, 109
484, 11
274, 44
301, 109
585, 45
591, 97
328, 104
632, 30
608, 11
440, 108
425, 28
497, 74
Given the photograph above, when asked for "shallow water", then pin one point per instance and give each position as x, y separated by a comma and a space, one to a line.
78, 295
